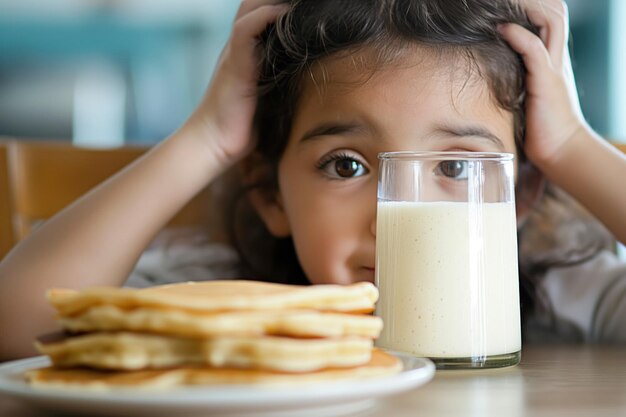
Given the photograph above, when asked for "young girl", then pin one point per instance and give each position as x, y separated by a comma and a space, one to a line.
340, 82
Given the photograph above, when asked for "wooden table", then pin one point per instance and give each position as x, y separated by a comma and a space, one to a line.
551, 381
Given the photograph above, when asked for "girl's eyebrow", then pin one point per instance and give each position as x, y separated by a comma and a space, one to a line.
339, 128
472, 130
333, 128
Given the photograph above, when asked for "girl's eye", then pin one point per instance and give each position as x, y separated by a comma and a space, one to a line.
456, 170
347, 168
342, 166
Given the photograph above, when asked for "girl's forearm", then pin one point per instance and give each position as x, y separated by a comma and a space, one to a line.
593, 172
98, 239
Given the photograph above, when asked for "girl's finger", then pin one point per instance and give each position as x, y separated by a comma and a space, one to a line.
551, 16
529, 46
538, 62
249, 27
248, 6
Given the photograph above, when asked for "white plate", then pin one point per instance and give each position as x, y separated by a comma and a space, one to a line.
330, 398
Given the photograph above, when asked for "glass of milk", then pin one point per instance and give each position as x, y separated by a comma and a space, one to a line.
446, 258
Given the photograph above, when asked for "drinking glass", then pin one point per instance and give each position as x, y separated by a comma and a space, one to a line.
446, 258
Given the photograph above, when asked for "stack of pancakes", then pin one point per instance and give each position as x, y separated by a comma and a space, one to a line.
219, 332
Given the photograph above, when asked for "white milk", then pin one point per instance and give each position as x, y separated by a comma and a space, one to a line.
436, 298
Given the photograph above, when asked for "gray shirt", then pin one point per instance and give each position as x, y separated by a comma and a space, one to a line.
583, 303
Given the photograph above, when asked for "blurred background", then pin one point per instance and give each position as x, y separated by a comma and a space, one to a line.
106, 72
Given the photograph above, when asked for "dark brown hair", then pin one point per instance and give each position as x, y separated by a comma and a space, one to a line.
317, 30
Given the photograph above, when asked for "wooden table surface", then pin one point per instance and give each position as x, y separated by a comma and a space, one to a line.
563, 381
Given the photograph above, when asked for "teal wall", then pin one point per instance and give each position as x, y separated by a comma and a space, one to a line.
590, 57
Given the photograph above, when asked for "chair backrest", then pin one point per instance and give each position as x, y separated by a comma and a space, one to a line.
620, 146
6, 226
44, 177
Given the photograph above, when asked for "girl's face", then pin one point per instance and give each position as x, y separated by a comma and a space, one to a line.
328, 173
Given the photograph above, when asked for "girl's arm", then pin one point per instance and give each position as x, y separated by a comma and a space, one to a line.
558, 140
98, 239
593, 172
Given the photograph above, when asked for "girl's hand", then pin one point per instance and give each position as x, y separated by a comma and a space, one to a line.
223, 120
558, 140
553, 115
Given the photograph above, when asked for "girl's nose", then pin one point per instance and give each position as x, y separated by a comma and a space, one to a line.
373, 226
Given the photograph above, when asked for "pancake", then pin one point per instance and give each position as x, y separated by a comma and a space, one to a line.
132, 351
214, 296
381, 364
295, 323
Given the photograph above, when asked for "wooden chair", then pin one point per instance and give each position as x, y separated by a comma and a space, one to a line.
620, 146
6, 226
44, 177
